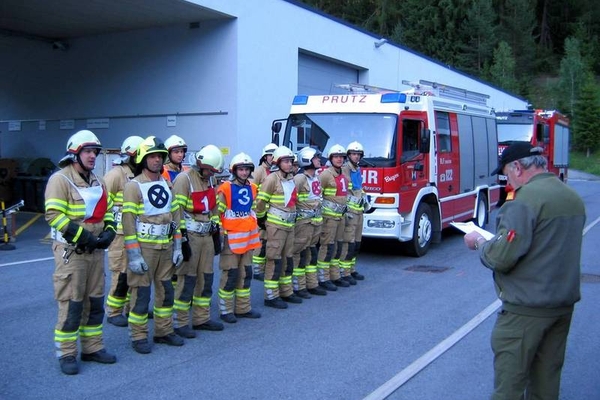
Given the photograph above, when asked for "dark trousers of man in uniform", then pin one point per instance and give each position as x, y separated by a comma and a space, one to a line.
160, 271
529, 353
79, 291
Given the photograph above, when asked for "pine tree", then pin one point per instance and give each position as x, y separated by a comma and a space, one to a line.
502, 71
573, 71
478, 37
587, 117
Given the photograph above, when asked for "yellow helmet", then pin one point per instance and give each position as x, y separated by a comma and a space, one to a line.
282, 153
241, 160
77, 142
150, 145
175, 141
210, 157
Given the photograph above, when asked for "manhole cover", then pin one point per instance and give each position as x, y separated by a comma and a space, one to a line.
590, 278
426, 268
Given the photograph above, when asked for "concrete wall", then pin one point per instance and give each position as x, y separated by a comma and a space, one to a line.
245, 67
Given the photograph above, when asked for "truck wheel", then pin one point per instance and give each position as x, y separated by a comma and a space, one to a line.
422, 231
481, 216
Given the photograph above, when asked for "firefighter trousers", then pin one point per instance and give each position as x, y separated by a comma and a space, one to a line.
118, 294
160, 271
306, 237
194, 282
280, 264
79, 292
259, 258
332, 235
236, 278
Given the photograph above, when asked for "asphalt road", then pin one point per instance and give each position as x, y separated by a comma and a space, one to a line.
347, 345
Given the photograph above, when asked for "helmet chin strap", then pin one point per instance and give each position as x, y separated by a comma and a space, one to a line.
83, 166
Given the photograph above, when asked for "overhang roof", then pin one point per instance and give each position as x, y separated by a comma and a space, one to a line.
51, 20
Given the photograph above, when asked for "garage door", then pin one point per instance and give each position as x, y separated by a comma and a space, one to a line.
317, 75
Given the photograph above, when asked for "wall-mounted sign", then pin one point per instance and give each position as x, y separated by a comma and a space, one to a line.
42, 125
14, 126
171, 120
98, 123
67, 123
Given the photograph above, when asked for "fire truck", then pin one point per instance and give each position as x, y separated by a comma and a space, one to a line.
428, 155
546, 129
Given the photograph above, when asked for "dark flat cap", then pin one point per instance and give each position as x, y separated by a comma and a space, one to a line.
515, 152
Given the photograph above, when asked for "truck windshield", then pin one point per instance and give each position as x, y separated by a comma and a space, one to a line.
376, 132
514, 132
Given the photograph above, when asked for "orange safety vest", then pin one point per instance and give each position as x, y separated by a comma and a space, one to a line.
238, 219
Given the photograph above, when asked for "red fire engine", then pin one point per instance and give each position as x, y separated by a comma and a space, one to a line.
428, 155
546, 129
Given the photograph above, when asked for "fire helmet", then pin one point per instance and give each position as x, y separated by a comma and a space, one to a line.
77, 142
336, 150
282, 153
241, 160
174, 142
306, 155
210, 157
356, 147
150, 145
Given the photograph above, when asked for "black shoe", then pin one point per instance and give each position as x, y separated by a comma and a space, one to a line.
358, 276
317, 291
349, 279
341, 283
117, 320
185, 332
101, 356
68, 365
171, 339
209, 326
259, 277
141, 346
303, 294
328, 285
292, 299
250, 314
276, 303
229, 318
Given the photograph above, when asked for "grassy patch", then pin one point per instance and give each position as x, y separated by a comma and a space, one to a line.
580, 162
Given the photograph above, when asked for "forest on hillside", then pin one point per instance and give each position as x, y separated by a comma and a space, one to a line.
546, 51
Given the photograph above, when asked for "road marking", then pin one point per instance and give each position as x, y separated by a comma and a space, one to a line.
407, 373
26, 261
27, 224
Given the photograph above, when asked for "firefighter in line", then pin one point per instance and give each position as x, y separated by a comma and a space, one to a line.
177, 148
258, 177
79, 212
195, 192
276, 212
115, 180
308, 224
240, 238
357, 204
335, 190
153, 244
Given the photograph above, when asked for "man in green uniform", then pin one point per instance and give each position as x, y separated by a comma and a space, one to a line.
535, 258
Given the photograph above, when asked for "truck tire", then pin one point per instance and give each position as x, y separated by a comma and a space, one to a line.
422, 232
481, 212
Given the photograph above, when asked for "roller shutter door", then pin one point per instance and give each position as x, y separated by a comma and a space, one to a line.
317, 75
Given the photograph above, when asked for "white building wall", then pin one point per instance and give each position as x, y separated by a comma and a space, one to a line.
245, 67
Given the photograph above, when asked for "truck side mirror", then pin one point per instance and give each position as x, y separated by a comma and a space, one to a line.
425, 139
276, 127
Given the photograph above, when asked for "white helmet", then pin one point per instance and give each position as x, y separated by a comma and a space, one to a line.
77, 142
336, 150
268, 149
356, 147
281, 153
306, 155
210, 157
241, 160
130, 145
175, 141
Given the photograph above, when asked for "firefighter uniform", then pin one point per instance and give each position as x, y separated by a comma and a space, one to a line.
78, 210
276, 205
241, 237
197, 200
335, 186
115, 180
308, 226
258, 177
151, 229
357, 201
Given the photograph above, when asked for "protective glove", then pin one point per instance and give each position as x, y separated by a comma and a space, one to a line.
136, 262
217, 242
86, 241
261, 222
186, 249
107, 236
177, 253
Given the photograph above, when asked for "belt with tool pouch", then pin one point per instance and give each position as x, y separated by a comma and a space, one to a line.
304, 214
144, 228
198, 226
335, 207
283, 215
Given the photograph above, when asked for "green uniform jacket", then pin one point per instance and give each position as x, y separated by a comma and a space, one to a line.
536, 252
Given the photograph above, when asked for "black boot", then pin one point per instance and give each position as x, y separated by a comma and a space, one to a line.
303, 294
117, 320
349, 279
317, 291
358, 276
185, 332
341, 283
328, 285
250, 314
276, 303
101, 356
68, 365
209, 326
229, 318
292, 299
171, 339
141, 346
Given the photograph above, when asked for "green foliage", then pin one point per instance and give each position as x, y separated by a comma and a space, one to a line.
586, 120
572, 73
585, 162
502, 71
